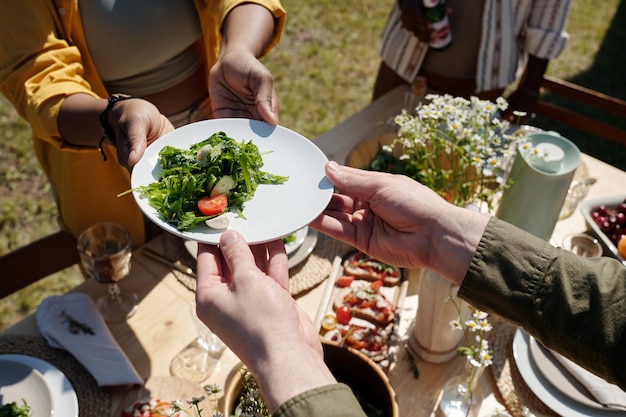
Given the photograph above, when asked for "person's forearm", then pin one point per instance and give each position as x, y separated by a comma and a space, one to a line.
573, 305
283, 375
248, 27
454, 242
79, 119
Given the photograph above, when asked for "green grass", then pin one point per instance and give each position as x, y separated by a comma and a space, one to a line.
594, 58
324, 70
27, 213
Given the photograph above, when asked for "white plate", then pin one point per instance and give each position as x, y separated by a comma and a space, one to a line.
304, 250
587, 206
543, 389
19, 383
300, 235
559, 377
298, 254
275, 211
64, 397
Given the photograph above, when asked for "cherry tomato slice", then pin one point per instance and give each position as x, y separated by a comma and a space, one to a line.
344, 314
344, 281
376, 284
210, 206
329, 322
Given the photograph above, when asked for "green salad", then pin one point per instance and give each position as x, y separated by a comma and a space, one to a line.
212, 177
14, 410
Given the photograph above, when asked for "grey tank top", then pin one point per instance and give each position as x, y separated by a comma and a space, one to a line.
142, 47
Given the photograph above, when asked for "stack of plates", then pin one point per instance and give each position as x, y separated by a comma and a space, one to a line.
45, 388
551, 383
297, 250
300, 248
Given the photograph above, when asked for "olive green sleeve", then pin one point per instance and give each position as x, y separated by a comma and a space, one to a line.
574, 305
328, 401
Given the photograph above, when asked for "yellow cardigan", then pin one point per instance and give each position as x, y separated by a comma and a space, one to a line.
43, 59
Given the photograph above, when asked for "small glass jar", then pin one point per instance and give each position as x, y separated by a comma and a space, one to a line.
582, 245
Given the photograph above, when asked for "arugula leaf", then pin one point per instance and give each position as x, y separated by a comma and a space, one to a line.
191, 174
14, 410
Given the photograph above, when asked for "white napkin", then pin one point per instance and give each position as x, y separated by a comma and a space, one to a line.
65, 322
607, 394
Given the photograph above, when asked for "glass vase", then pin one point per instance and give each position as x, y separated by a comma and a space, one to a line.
462, 395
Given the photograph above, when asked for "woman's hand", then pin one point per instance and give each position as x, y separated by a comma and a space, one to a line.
239, 84
137, 123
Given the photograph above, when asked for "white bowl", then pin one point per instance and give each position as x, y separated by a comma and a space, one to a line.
586, 208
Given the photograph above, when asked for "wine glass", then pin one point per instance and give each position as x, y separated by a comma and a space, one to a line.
200, 358
105, 252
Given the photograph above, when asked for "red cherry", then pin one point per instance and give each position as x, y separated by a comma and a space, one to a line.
611, 220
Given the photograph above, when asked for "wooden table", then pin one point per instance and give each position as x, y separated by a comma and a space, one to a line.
162, 326
374, 120
420, 397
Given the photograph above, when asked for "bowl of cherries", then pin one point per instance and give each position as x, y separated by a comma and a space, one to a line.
607, 218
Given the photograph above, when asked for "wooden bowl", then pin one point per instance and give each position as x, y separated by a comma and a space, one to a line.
364, 152
349, 366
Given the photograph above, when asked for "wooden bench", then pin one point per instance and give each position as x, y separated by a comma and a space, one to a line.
37, 260
580, 121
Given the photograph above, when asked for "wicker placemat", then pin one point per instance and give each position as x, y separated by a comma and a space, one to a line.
513, 391
92, 400
303, 277
316, 267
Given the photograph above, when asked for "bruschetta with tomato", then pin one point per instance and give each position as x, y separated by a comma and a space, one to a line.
362, 266
367, 340
366, 302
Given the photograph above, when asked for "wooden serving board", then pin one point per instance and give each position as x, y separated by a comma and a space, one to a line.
395, 294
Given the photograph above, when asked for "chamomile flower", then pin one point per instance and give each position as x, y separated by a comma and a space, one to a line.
456, 324
502, 103
475, 329
492, 161
479, 315
485, 357
484, 325
213, 389
177, 405
454, 146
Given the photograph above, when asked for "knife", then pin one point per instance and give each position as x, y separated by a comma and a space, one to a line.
177, 265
